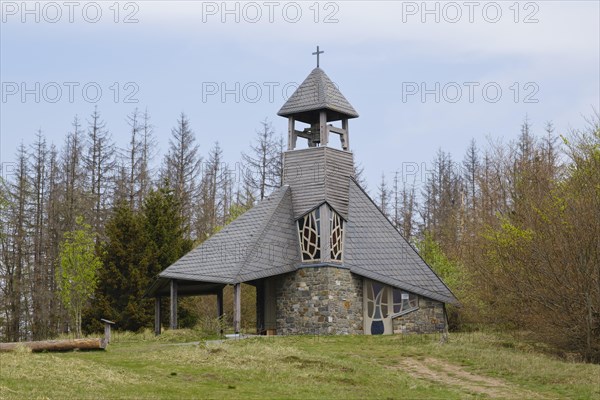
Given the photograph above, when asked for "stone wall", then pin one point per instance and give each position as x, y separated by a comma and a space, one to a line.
429, 318
319, 301
329, 301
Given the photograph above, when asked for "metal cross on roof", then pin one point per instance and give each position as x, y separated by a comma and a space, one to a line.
316, 53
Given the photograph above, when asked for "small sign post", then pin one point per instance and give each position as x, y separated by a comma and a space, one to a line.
107, 325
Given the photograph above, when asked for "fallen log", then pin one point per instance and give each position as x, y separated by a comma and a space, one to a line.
57, 345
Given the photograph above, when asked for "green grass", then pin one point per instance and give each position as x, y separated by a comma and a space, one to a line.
474, 365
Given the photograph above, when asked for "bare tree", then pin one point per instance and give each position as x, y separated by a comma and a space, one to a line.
403, 206
396, 207
40, 279
53, 236
99, 163
471, 166
133, 159
408, 210
16, 250
210, 202
263, 164
73, 177
383, 196
147, 153
278, 170
182, 167
4, 273
442, 203
359, 175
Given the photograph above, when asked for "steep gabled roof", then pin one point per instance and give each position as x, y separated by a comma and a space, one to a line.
261, 242
318, 92
374, 249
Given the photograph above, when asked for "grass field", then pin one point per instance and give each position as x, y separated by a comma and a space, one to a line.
140, 366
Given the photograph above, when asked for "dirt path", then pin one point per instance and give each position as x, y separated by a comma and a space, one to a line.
439, 371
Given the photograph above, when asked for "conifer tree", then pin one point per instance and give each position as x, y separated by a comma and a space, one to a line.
182, 166
123, 255
140, 244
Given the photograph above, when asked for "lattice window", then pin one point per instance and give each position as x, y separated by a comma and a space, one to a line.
309, 229
336, 227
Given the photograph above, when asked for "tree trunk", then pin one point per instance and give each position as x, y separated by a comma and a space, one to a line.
57, 345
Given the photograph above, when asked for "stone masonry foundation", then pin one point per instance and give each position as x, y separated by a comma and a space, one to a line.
429, 318
319, 301
329, 301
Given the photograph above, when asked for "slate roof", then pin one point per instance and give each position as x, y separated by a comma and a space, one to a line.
263, 242
373, 248
317, 92
260, 243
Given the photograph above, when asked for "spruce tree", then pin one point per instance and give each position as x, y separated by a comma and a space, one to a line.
140, 244
123, 254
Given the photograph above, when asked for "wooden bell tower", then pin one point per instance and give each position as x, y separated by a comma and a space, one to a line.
318, 103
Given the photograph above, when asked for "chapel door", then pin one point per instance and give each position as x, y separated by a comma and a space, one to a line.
377, 310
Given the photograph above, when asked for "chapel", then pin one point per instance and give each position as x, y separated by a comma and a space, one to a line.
323, 258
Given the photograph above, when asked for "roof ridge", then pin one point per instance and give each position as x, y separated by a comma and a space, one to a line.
263, 230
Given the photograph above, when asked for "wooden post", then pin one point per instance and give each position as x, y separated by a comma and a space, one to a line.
173, 304
107, 325
346, 135
260, 307
325, 232
157, 316
323, 128
237, 306
220, 303
291, 134
220, 309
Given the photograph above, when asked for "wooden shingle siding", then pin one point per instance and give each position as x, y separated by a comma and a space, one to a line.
339, 167
317, 175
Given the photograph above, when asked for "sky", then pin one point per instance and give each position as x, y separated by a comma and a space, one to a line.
423, 76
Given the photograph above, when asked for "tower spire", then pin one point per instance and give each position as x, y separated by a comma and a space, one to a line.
317, 102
